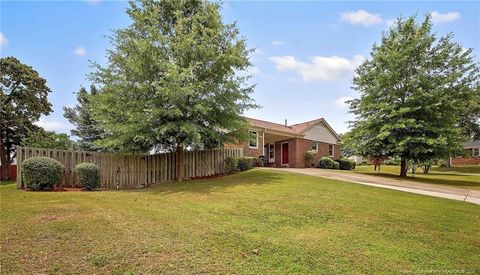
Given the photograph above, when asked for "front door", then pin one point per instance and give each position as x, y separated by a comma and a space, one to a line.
285, 153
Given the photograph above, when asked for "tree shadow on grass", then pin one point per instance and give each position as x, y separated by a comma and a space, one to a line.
253, 177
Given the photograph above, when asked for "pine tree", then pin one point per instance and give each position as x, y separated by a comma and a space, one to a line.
87, 129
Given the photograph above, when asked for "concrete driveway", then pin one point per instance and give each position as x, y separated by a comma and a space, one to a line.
434, 190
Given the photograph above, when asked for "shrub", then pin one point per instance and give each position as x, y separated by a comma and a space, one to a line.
326, 162
442, 163
41, 173
363, 163
257, 162
346, 164
336, 165
245, 164
88, 175
231, 164
309, 155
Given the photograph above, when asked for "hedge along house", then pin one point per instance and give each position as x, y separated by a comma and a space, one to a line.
285, 146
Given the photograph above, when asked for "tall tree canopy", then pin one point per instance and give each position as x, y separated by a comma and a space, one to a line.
23, 99
87, 129
172, 79
415, 91
47, 139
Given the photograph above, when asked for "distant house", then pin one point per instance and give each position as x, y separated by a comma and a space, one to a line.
285, 145
471, 156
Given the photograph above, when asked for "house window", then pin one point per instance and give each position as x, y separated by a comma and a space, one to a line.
253, 143
475, 152
314, 146
331, 150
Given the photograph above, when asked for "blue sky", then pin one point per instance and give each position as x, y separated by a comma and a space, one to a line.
303, 65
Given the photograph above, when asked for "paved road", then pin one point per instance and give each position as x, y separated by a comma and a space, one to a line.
434, 190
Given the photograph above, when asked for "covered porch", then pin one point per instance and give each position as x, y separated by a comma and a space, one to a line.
278, 148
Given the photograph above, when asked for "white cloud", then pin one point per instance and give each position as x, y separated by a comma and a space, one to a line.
51, 125
277, 43
361, 17
320, 67
80, 51
444, 17
341, 102
3, 39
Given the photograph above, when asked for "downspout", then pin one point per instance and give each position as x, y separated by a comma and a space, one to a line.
263, 142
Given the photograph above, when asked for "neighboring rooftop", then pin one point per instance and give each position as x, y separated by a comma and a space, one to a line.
472, 143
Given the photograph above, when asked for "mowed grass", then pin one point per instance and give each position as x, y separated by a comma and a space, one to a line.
254, 222
462, 176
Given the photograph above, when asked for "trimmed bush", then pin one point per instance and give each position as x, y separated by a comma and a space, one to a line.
336, 165
346, 164
231, 164
88, 175
41, 173
309, 155
245, 164
326, 163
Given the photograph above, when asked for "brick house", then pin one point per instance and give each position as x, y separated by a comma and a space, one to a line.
285, 146
471, 156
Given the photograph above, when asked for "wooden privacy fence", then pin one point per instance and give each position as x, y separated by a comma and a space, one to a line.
121, 171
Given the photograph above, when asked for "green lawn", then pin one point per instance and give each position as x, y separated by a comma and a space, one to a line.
463, 176
255, 222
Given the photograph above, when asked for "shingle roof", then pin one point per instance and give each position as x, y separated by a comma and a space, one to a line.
471, 143
270, 125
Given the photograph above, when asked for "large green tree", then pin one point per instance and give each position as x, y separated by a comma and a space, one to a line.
415, 90
23, 99
173, 80
40, 138
87, 129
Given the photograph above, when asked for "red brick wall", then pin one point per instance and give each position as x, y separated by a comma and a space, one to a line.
304, 145
468, 159
278, 153
298, 147
296, 155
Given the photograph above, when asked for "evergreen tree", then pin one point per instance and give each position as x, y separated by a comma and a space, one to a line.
414, 91
172, 80
87, 129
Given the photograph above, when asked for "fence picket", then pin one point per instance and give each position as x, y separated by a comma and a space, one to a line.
130, 171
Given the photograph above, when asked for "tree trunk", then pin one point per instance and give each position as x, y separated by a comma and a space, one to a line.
403, 167
4, 162
180, 166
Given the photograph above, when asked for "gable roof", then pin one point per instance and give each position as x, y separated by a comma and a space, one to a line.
296, 129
